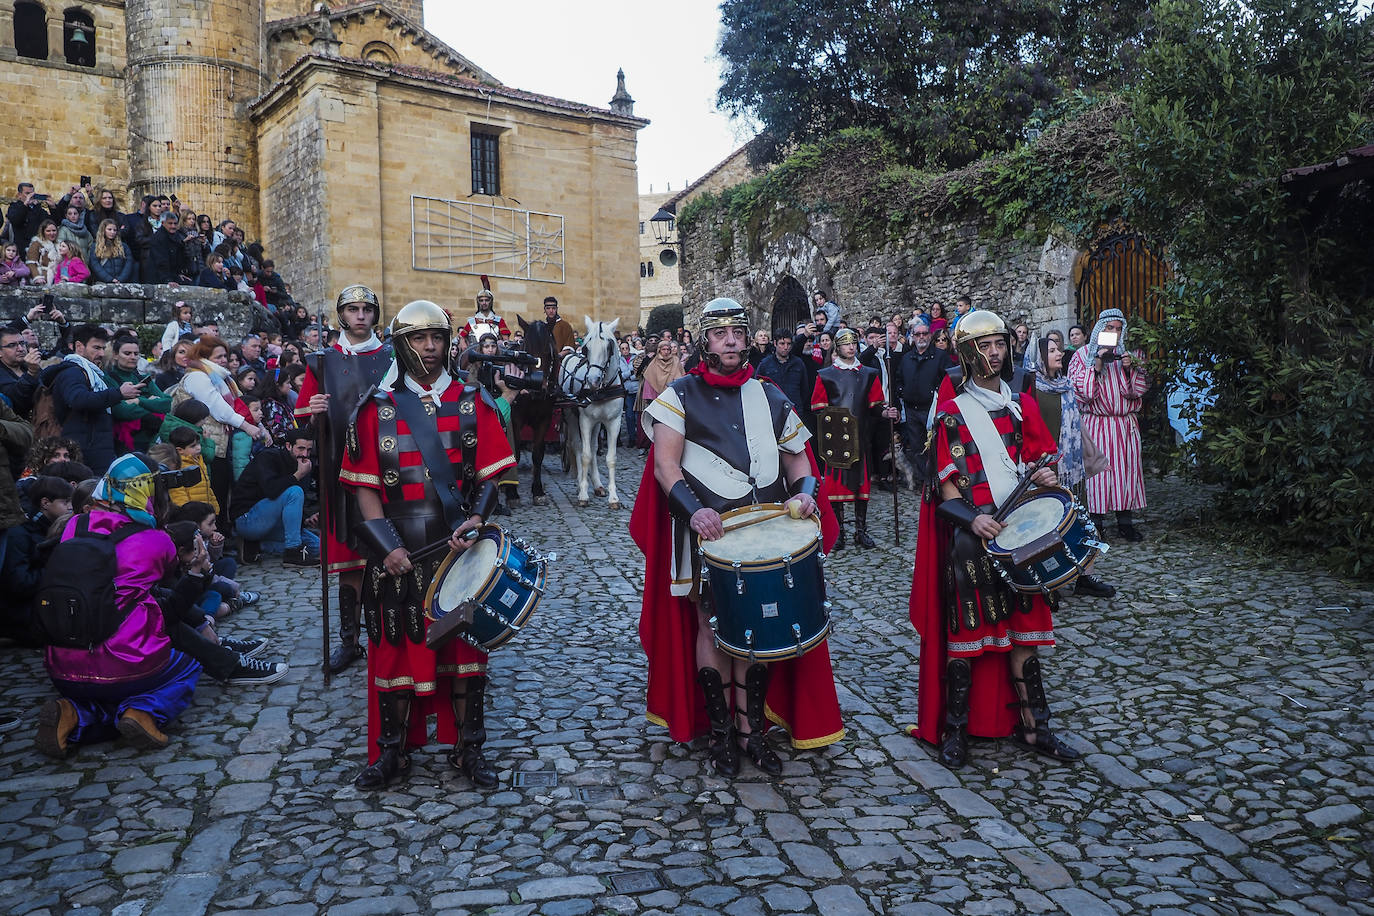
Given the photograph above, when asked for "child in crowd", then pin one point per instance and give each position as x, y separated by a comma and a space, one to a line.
182, 450
224, 568
26, 551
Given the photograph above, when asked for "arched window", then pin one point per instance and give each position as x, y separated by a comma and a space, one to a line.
379, 52
78, 37
30, 30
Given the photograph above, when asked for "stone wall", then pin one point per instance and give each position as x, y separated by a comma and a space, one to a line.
1021, 280
116, 305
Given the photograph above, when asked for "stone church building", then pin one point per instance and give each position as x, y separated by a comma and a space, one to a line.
354, 143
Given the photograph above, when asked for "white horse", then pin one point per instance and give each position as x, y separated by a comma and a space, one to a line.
591, 377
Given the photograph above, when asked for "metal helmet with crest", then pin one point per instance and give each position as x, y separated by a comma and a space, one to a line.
420, 315
973, 327
846, 336
357, 293
486, 293
721, 313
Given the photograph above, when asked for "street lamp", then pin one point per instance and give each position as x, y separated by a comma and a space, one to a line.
665, 224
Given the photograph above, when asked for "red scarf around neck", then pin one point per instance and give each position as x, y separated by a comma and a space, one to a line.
734, 380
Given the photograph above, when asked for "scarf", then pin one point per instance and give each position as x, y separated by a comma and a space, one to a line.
351, 349
735, 379
221, 379
840, 362
434, 392
94, 376
1001, 399
661, 373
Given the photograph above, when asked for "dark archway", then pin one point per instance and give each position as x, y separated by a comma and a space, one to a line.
78, 37
790, 305
30, 30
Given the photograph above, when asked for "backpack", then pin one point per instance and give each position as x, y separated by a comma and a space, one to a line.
46, 422
76, 606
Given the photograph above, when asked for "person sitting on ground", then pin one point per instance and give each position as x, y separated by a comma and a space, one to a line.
70, 267
25, 554
73, 231
224, 567
42, 254
134, 682
111, 261
49, 450
181, 452
13, 270
268, 503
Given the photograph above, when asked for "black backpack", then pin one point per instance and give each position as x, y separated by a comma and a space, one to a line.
76, 606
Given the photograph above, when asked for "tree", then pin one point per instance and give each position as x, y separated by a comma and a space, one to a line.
1274, 297
947, 80
664, 318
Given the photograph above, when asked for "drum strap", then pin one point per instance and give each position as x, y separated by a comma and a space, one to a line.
424, 430
1003, 474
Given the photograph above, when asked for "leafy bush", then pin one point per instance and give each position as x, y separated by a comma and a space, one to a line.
664, 318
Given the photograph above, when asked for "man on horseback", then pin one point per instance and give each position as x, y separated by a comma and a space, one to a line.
721, 440
335, 383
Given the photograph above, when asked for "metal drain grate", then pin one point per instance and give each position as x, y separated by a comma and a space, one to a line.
636, 882
597, 793
529, 779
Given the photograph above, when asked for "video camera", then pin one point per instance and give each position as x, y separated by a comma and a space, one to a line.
504, 356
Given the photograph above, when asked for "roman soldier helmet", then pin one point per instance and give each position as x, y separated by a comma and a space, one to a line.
974, 326
420, 315
847, 335
485, 294
358, 293
721, 313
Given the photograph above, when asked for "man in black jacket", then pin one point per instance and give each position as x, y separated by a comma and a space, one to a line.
24, 215
787, 371
922, 368
268, 501
138, 234
83, 400
167, 254
19, 367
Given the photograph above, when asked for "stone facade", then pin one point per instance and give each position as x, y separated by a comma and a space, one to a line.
1029, 281
659, 264
131, 305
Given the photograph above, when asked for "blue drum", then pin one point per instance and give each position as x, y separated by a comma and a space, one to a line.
1048, 541
485, 594
767, 584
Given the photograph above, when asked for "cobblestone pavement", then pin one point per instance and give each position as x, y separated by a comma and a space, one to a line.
1221, 701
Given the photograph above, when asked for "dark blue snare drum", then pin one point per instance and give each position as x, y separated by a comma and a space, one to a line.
485, 594
766, 584
1048, 542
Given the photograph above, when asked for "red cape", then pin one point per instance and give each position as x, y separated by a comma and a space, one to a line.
801, 696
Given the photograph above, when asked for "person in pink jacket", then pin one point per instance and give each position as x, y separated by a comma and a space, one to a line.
70, 268
133, 683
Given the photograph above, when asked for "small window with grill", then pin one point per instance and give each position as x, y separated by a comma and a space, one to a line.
486, 163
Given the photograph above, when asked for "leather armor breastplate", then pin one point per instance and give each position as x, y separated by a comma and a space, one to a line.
714, 420
421, 521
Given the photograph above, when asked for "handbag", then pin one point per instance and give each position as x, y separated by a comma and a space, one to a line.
1094, 459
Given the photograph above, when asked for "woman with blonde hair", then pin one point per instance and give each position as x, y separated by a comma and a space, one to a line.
111, 261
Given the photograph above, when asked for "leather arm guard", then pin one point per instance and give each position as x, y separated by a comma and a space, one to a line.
682, 501
958, 511
378, 536
485, 503
804, 486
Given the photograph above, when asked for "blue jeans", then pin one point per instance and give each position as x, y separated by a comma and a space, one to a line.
276, 523
627, 429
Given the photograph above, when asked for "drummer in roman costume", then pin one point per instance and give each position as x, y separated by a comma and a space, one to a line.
848, 397
422, 459
485, 321
723, 439
336, 381
978, 635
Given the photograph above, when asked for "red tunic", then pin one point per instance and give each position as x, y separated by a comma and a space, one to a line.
412, 666
839, 493
992, 700
469, 326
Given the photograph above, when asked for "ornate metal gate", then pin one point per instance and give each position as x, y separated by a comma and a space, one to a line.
1122, 270
791, 305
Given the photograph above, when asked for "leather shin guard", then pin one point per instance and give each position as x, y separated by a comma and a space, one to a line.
723, 752
755, 693
1046, 742
469, 708
954, 741
349, 650
838, 509
393, 710
861, 535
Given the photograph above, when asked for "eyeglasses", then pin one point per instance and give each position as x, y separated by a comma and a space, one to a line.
15, 345
920, 333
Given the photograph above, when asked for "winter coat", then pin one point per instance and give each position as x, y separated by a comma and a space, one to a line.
141, 419
84, 412
208, 278
119, 269
21, 272
42, 260
72, 270
16, 437
166, 454
171, 422
23, 559
76, 235
166, 258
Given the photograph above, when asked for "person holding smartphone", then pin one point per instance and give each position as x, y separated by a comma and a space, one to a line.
1110, 388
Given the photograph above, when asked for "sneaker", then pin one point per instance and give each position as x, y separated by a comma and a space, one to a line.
1092, 587
299, 556
255, 671
248, 648
251, 552
247, 598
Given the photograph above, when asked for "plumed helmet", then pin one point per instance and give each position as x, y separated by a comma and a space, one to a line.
420, 315
973, 327
361, 294
847, 335
485, 293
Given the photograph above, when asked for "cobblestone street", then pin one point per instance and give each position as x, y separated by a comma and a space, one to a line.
1221, 700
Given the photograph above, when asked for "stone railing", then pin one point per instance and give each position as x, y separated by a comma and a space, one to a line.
136, 305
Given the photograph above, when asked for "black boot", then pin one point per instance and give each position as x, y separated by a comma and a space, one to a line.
468, 709
755, 744
1039, 739
1125, 526
954, 740
349, 649
1092, 587
723, 752
861, 535
839, 518
394, 712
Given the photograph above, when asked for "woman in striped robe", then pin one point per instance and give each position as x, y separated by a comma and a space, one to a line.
1110, 388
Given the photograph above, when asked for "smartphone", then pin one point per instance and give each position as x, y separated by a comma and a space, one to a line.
85, 180
1108, 339
47, 302
40, 197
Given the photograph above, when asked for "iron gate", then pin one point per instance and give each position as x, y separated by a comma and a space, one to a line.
1122, 270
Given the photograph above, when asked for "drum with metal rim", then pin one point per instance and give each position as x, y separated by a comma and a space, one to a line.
767, 584
487, 593
1048, 541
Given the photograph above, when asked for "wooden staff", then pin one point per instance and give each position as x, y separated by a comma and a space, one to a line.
892, 471
322, 435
